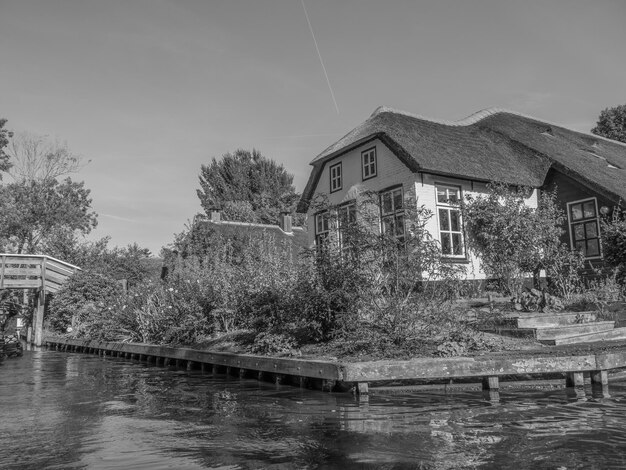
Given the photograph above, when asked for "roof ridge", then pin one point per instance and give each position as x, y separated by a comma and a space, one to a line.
254, 224
483, 114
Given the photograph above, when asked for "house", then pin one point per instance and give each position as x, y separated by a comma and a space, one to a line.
396, 153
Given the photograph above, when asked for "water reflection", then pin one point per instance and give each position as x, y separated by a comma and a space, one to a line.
62, 410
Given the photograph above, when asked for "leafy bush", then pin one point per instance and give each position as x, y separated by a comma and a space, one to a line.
270, 343
614, 242
374, 285
511, 238
534, 300
564, 270
83, 294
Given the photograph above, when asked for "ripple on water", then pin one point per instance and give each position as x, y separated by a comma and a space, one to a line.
62, 410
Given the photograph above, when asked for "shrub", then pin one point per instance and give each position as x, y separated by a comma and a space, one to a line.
372, 284
511, 238
84, 293
614, 242
270, 343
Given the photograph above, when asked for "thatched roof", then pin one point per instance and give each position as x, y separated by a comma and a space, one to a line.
491, 145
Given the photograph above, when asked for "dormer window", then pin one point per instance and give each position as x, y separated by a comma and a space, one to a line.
368, 163
335, 177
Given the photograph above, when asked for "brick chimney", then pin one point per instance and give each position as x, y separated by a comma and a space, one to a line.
284, 222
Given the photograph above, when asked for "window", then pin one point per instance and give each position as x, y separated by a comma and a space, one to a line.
368, 162
321, 228
392, 213
335, 177
450, 224
346, 217
584, 227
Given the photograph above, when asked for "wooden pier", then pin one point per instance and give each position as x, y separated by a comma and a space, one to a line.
359, 377
44, 274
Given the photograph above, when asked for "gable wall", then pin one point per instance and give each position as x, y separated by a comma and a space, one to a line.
390, 172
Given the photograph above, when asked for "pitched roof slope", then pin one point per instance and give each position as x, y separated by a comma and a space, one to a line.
593, 160
491, 145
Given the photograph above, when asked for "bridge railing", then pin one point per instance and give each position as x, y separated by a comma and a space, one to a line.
33, 272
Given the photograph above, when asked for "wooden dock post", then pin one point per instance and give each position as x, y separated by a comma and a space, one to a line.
40, 302
491, 383
362, 388
599, 377
574, 379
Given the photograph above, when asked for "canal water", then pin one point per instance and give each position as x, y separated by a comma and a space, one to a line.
68, 410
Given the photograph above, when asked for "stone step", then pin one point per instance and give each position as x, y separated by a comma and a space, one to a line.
541, 320
565, 331
609, 335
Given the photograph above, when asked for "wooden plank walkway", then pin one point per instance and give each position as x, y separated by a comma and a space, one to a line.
359, 376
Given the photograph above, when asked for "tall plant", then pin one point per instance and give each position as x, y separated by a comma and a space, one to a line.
512, 238
614, 241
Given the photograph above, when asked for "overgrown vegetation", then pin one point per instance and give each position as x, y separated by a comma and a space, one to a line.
514, 239
359, 292
614, 242
367, 293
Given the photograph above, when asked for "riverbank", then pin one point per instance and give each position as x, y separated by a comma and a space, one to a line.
593, 361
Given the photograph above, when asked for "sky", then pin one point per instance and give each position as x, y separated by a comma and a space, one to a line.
149, 90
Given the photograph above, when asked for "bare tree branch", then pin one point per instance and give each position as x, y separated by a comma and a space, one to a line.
39, 159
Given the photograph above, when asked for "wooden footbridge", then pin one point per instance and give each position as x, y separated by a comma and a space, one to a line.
41, 273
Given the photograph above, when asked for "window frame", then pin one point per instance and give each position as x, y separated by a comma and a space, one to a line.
374, 163
336, 177
351, 213
394, 214
571, 223
322, 236
448, 208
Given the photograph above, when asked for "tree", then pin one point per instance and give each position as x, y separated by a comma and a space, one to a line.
31, 211
245, 180
612, 123
5, 135
37, 158
132, 263
511, 238
36, 204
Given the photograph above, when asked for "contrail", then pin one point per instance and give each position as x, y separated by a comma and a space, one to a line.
320, 56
